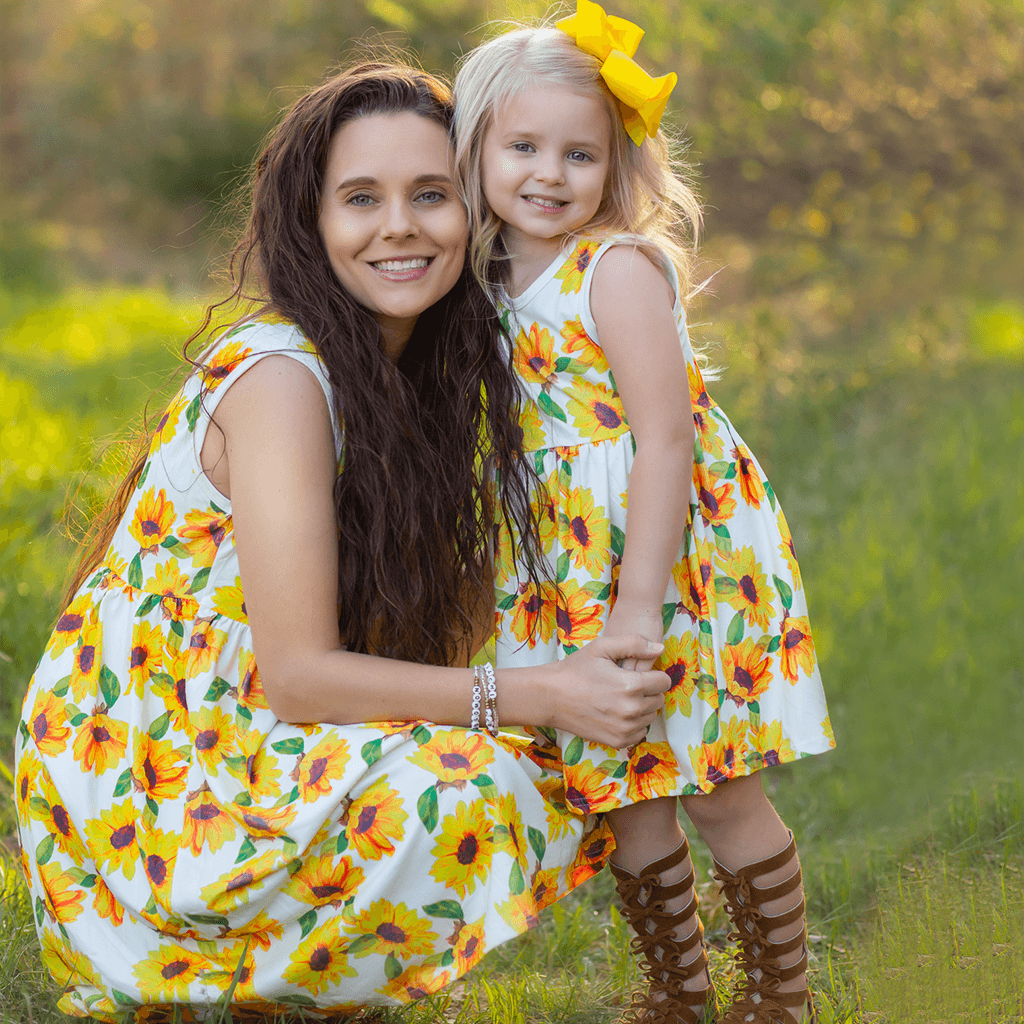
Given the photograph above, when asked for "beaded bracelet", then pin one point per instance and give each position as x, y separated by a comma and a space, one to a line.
485, 688
474, 718
491, 694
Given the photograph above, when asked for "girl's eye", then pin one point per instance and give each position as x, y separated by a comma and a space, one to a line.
522, 147
433, 196
360, 199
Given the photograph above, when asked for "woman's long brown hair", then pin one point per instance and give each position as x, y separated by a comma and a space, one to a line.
415, 512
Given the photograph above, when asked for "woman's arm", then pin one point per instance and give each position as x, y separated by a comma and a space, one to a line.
279, 464
632, 306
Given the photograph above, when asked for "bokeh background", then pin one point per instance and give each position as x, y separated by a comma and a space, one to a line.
861, 165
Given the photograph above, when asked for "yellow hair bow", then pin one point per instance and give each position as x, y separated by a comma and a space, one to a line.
612, 40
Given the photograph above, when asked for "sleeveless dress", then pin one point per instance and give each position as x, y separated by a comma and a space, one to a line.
746, 691
178, 839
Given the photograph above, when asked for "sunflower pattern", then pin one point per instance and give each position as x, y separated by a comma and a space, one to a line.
178, 839
746, 691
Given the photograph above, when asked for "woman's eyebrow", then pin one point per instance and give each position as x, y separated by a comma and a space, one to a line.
420, 179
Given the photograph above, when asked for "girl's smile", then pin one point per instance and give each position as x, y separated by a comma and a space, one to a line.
545, 163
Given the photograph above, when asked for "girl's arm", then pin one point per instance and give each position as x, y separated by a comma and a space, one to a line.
278, 468
632, 305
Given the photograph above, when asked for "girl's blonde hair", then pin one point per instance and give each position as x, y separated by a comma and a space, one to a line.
647, 193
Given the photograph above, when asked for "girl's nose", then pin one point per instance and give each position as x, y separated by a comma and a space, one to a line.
549, 170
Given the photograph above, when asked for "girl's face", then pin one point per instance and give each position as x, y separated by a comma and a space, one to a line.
545, 163
391, 219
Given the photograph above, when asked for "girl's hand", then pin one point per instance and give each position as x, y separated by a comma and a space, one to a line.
626, 620
594, 698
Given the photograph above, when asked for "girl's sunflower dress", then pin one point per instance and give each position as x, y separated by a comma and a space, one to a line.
179, 840
746, 691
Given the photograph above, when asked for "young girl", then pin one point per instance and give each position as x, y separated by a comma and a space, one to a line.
574, 207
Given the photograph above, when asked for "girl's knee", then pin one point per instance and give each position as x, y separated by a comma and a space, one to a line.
726, 802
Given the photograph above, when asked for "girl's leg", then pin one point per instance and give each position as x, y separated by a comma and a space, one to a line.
753, 851
654, 877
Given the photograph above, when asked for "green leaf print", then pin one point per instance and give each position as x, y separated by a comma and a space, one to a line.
122, 998
124, 783
486, 785
721, 697
76, 720
447, 958
235, 763
44, 851
562, 568
734, 634
421, 735
362, 946
707, 689
297, 998
292, 745
160, 726
711, 729
668, 613
774, 645
135, 571
723, 541
785, 592
151, 601
719, 468
152, 806
426, 808
192, 412
546, 403
538, 843
618, 541
62, 686
609, 767
569, 649
574, 751
620, 772
178, 629
507, 601
40, 910
448, 909
771, 494
200, 579
246, 850
564, 475
370, 752
39, 807
538, 462
216, 509
242, 799
244, 714
516, 881
597, 589
307, 922
725, 585
217, 689
170, 543
392, 966
142, 476
754, 708
109, 686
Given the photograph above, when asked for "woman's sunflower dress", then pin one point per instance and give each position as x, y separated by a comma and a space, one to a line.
746, 691
178, 839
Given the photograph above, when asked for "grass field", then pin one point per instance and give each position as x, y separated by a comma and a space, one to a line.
904, 489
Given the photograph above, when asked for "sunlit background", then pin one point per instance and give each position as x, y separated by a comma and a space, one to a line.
861, 165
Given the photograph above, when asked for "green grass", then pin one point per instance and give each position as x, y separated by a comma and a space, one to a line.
904, 488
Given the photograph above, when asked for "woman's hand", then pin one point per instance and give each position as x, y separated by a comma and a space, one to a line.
591, 696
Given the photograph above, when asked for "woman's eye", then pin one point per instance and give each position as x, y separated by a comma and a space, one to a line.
360, 199
433, 196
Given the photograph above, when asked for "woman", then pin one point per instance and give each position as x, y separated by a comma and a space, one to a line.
193, 824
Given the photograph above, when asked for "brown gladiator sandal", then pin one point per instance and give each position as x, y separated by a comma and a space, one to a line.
759, 1001
666, 960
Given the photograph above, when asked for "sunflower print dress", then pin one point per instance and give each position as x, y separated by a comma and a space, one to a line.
180, 842
745, 692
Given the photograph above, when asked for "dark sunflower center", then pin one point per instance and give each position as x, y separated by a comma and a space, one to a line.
321, 959
748, 588
139, 656
390, 932
454, 761
793, 637
173, 969
156, 868
240, 881
606, 415
207, 739
123, 836
316, 770
467, 851
645, 764
86, 657
580, 531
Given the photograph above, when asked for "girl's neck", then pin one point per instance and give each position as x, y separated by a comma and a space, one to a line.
530, 256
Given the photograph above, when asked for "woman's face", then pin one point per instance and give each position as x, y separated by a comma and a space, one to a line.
391, 219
